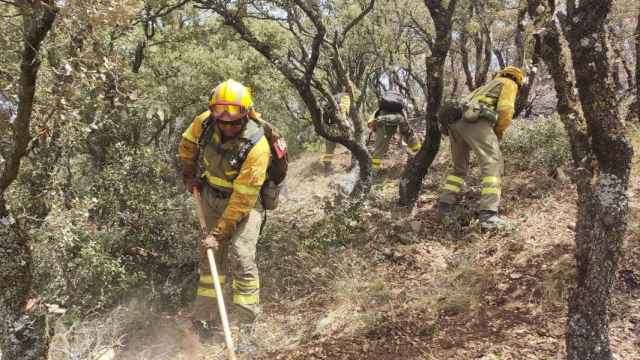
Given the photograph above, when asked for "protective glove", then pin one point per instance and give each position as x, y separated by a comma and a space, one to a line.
224, 230
210, 242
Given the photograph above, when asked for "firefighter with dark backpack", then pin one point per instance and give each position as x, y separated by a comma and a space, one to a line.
390, 116
244, 161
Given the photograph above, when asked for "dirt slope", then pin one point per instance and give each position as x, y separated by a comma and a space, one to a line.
407, 287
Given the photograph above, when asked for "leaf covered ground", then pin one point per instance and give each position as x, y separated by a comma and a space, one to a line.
381, 282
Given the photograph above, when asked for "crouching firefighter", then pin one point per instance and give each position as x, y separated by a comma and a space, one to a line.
477, 123
391, 116
230, 144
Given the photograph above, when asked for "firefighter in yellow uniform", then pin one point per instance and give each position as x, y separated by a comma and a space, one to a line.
230, 189
344, 103
487, 115
385, 123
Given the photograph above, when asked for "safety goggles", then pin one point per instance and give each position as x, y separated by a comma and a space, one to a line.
234, 111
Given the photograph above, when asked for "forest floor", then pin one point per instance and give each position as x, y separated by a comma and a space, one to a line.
407, 286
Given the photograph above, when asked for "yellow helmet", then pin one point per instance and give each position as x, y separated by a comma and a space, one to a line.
514, 72
230, 97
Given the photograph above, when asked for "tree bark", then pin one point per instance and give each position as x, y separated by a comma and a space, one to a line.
499, 57
523, 95
485, 62
637, 37
548, 43
603, 199
464, 54
417, 167
522, 45
602, 154
23, 333
454, 86
519, 39
617, 40
635, 107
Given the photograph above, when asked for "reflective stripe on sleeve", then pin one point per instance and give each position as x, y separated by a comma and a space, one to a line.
246, 189
214, 180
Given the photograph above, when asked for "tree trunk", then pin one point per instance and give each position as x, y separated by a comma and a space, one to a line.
519, 38
464, 54
621, 63
521, 45
485, 63
454, 76
635, 107
637, 37
603, 200
604, 160
499, 57
417, 167
529, 86
23, 334
548, 44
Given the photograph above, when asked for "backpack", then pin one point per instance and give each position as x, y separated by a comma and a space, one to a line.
450, 111
469, 108
392, 101
278, 166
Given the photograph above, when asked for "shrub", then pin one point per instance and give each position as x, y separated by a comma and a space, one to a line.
126, 229
541, 143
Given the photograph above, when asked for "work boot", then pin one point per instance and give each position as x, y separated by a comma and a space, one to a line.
247, 339
489, 220
206, 330
328, 168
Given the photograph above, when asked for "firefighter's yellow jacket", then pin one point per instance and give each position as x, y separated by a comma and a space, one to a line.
499, 94
242, 182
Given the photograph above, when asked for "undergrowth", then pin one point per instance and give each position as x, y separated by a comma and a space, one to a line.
537, 144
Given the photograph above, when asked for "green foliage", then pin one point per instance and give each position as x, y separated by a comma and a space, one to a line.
129, 231
540, 144
77, 266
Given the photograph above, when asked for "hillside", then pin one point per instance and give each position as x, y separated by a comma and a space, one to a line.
384, 283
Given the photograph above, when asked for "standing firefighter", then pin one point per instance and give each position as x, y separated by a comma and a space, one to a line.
486, 113
390, 116
235, 156
344, 103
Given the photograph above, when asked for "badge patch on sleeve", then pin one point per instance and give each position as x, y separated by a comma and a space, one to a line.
280, 147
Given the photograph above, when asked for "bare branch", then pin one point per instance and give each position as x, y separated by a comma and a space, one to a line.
355, 21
